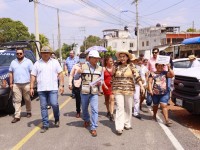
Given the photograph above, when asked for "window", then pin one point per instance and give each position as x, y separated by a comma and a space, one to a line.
131, 44
142, 44
147, 43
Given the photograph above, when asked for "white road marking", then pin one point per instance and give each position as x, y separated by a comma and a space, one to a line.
169, 134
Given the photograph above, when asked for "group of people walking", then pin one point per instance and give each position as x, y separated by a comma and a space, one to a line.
124, 84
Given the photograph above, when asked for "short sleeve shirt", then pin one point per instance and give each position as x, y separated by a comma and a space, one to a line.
46, 74
21, 70
70, 62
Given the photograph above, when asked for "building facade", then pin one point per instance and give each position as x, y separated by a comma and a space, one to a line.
119, 40
163, 37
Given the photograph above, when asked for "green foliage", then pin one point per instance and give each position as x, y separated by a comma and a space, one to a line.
191, 30
110, 52
11, 30
65, 50
43, 39
90, 41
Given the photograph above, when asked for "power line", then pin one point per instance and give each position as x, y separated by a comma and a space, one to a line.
65, 11
93, 5
164, 8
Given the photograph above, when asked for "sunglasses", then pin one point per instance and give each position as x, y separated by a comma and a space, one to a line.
19, 53
155, 53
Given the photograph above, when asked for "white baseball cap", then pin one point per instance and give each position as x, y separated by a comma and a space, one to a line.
94, 53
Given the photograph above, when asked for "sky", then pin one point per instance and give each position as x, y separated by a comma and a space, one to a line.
80, 18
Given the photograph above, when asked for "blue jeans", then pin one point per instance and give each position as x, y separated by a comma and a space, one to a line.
149, 99
93, 100
52, 96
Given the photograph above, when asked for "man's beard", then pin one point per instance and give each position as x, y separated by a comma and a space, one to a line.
21, 58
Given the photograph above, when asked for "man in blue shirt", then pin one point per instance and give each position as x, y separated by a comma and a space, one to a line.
19, 74
70, 62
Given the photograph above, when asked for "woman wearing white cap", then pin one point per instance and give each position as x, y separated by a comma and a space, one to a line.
123, 89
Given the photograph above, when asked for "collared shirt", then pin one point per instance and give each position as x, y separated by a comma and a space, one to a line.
70, 62
21, 70
46, 74
151, 65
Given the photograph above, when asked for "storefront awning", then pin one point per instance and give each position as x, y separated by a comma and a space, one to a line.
195, 40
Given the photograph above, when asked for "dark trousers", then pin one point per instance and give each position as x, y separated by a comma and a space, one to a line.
78, 98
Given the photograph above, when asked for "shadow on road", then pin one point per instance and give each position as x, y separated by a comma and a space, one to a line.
76, 124
109, 124
70, 114
37, 122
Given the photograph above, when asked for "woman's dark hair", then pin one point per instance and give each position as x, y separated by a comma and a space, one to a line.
106, 59
158, 64
82, 55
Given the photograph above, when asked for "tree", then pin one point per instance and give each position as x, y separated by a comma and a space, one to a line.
65, 50
90, 41
191, 30
43, 39
110, 52
11, 30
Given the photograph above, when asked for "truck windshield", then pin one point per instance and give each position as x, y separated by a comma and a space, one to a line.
6, 58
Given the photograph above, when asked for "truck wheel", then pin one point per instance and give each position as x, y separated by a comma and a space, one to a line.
10, 107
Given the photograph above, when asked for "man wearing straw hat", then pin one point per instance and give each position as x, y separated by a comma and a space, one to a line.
193, 61
46, 72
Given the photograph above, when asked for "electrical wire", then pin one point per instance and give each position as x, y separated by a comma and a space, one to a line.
65, 11
165, 8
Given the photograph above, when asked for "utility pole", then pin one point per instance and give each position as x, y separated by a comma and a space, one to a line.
137, 26
83, 30
37, 37
193, 25
53, 42
59, 41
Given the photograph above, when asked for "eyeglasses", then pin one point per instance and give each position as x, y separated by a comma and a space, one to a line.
19, 53
155, 52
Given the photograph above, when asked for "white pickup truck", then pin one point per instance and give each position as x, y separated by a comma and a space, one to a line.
186, 91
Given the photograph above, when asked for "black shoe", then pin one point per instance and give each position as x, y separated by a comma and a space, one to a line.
138, 117
112, 117
28, 115
57, 123
73, 96
108, 114
48, 107
44, 129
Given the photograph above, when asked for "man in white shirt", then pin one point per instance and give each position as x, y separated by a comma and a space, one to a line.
193, 61
46, 72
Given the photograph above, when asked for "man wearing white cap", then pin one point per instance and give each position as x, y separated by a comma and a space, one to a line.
92, 76
193, 61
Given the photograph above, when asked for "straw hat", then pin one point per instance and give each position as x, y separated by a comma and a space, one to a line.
133, 57
124, 52
46, 49
191, 57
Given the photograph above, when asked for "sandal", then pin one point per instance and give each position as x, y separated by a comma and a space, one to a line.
168, 123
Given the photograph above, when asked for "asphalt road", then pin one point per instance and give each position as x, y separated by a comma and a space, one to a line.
145, 135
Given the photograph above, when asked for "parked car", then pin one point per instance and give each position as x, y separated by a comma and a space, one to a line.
7, 54
186, 91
